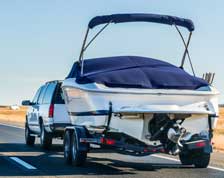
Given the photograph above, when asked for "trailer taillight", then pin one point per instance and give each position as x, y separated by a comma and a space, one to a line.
200, 144
107, 141
51, 111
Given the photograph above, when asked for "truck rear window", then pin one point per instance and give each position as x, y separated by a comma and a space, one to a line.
49, 93
58, 96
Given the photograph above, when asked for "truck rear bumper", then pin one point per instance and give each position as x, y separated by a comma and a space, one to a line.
57, 129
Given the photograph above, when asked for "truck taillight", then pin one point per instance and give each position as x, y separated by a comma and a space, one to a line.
51, 111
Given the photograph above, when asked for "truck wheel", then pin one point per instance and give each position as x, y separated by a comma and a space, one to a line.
45, 138
201, 160
185, 159
30, 140
78, 157
67, 147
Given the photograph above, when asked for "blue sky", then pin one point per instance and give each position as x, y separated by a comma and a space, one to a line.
40, 40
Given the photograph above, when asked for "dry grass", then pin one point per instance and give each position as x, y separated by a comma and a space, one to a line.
219, 131
220, 125
8, 115
13, 116
218, 142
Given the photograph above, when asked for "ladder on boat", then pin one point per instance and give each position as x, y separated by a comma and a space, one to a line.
209, 77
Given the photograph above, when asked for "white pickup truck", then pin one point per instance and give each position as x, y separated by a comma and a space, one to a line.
46, 115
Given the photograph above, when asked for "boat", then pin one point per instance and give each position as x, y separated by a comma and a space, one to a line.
149, 100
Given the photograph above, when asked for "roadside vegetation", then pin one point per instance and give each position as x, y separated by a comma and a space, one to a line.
219, 132
8, 115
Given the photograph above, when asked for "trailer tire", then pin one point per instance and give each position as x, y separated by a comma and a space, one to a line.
201, 160
67, 147
45, 138
185, 159
78, 157
30, 140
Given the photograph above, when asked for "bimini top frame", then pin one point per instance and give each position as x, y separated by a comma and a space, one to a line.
121, 18
154, 18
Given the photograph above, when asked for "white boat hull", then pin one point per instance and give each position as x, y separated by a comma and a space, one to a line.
89, 105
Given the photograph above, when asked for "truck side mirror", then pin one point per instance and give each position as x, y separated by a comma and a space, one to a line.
27, 103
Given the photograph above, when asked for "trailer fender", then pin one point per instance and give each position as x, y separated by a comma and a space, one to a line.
208, 149
80, 132
200, 145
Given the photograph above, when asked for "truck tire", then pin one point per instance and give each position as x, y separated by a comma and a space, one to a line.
78, 157
30, 140
201, 160
67, 147
45, 138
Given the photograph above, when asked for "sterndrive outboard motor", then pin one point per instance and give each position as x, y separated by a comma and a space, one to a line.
167, 129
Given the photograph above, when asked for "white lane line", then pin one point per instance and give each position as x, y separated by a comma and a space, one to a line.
23, 163
164, 157
11, 126
176, 160
216, 168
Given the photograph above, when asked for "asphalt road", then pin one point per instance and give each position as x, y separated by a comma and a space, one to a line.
16, 159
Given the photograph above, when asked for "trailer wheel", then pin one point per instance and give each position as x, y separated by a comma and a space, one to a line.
30, 140
186, 159
67, 147
78, 157
201, 160
45, 138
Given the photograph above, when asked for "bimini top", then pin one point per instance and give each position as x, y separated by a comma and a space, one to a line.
135, 72
155, 18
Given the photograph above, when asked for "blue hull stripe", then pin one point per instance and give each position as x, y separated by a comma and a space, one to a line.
90, 113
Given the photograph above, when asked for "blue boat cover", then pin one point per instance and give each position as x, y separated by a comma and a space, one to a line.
135, 72
155, 18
